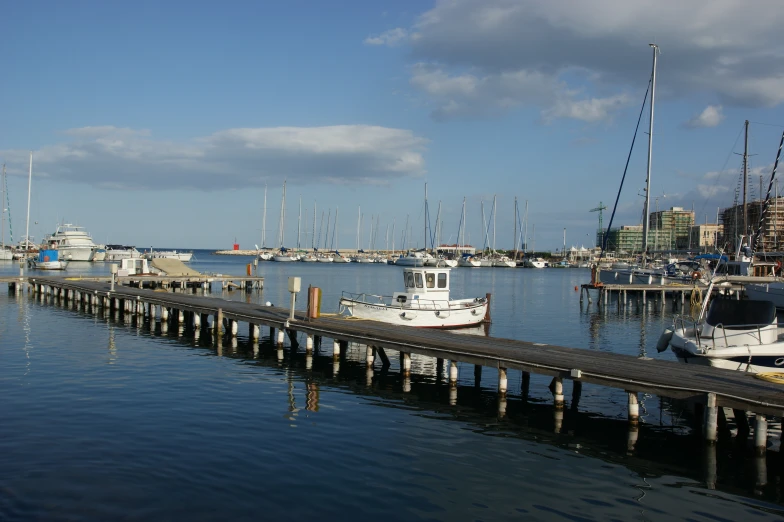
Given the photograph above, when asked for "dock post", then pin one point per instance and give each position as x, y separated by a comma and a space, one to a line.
255, 331
180, 316
760, 433
502, 382
663, 299
405, 363
370, 356
218, 322
558, 396
643, 297
164, 313
477, 376
711, 419
308, 343
634, 408
710, 466
280, 337
196, 321
234, 326
525, 385
335, 349
453, 373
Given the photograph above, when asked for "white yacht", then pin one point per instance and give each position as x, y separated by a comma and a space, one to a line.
120, 252
425, 303
73, 243
411, 259
168, 254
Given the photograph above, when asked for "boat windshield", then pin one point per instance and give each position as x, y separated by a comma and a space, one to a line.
737, 315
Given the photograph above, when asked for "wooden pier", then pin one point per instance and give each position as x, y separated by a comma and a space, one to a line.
713, 388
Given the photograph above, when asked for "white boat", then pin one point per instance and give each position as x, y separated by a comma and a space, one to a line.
340, 259
6, 254
424, 303
415, 259
47, 259
469, 261
284, 257
99, 254
308, 258
120, 252
73, 242
631, 276
265, 256
168, 254
324, 258
735, 335
773, 292
504, 262
534, 262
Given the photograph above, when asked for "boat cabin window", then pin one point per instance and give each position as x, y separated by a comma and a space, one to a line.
442, 280
418, 279
408, 279
430, 280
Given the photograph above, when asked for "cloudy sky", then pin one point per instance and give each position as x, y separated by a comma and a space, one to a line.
161, 123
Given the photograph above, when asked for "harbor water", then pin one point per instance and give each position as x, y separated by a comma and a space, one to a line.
104, 418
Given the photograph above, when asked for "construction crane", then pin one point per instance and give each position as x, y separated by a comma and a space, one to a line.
601, 230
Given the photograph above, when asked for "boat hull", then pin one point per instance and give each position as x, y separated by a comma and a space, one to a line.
76, 253
460, 313
773, 292
284, 259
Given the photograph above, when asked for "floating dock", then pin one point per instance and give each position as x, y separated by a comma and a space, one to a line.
712, 388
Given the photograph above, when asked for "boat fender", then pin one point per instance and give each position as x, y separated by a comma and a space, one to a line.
664, 340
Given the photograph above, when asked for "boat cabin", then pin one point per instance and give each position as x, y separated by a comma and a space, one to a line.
423, 283
133, 266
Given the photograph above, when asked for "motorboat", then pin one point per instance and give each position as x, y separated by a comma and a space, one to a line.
734, 334
168, 254
119, 252
424, 303
773, 292
47, 259
99, 254
73, 242
468, 260
416, 259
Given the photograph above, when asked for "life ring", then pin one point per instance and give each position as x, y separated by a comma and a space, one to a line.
696, 275
777, 270
46, 259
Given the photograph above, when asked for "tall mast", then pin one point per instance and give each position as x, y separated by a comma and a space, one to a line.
745, 174
393, 236
313, 239
493, 223
281, 228
359, 218
515, 228
335, 230
438, 228
326, 233
426, 217
264, 220
29, 186
299, 222
2, 206
463, 221
645, 223
526, 227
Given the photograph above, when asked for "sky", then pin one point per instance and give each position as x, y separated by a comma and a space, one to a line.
161, 123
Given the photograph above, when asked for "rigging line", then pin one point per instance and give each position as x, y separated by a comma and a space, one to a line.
723, 167
767, 124
766, 205
626, 168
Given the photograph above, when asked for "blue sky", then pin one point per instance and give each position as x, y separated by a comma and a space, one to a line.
159, 123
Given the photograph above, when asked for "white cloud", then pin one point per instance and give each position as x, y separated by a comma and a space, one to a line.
724, 49
392, 37
126, 159
710, 117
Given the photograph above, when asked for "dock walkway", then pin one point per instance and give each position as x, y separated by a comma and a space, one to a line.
713, 387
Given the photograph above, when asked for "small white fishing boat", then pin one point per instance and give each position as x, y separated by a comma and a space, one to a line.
47, 260
735, 335
424, 303
168, 254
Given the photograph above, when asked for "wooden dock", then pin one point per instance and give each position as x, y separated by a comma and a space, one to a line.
712, 387
196, 283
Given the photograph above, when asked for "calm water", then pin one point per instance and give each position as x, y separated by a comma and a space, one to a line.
104, 419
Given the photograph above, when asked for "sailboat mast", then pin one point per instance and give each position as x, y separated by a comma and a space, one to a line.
29, 186
525, 246
515, 229
745, 176
335, 230
264, 220
426, 217
299, 223
359, 218
645, 223
493, 223
281, 228
326, 234
2, 206
313, 239
463, 221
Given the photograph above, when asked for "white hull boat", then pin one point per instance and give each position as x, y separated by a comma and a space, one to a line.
169, 254
325, 259
535, 263
425, 303
47, 260
120, 252
340, 259
469, 262
265, 256
284, 258
773, 292
6, 254
415, 259
735, 335
72, 242
308, 258
504, 263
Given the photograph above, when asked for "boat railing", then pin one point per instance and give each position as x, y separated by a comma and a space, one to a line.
742, 329
363, 297
412, 304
